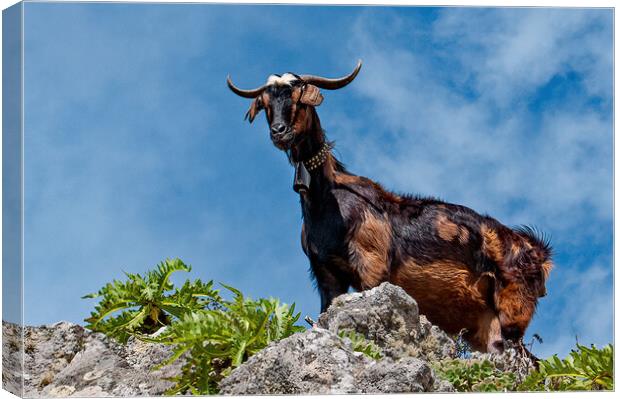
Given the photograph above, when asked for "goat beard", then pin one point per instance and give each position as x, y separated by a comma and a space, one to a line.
286, 144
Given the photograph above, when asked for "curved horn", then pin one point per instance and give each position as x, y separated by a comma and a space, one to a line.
332, 84
244, 93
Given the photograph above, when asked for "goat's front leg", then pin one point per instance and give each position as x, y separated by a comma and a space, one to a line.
330, 283
488, 334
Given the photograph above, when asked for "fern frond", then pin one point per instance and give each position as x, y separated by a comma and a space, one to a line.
211, 335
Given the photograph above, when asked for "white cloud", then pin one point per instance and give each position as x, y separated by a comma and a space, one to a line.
514, 51
487, 150
584, 313
456, 121
453, 122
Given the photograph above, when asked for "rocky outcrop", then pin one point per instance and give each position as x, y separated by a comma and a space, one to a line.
319, 362
64, 359
388, 316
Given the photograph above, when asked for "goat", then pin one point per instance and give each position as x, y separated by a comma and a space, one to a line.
465, 270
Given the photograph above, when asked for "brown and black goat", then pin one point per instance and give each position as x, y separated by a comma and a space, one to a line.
465, 270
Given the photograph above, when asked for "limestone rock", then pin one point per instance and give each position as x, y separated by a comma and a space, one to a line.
513, 360
64, 359
319, 362
388, 316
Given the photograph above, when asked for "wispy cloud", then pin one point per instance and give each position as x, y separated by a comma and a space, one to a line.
506, 111
136, 150
468, 131
581, 311
130, 156
510, 53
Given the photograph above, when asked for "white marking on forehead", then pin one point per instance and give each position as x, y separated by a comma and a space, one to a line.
284, 80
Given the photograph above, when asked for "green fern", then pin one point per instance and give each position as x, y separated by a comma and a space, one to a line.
474, 376
361, 344
585, 369
142, 305
211, 335
217, 341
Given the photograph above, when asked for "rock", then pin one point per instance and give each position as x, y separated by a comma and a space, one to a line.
12, 358
513, 360
64, 359
388, 316
317, 361
401, 376
443, 386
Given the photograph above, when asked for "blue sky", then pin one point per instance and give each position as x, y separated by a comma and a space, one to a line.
135, 150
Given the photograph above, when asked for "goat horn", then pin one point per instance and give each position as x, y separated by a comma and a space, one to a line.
244, 93
332, 84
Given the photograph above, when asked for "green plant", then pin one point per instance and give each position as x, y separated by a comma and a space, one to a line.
142, 305
474, 376
584, 369
217, 341
463, 348
360, 344
209, 334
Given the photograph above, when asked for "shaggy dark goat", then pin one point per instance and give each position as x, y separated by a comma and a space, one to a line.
465, 270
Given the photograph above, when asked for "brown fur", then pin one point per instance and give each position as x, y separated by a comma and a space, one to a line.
369, 247
463, 235
546, 267
265, 102
491, 244
295, 98
448, 293
352, 180
465, 270
488, 337
302, 121
445, 228
515, 307
343, 178
255, 108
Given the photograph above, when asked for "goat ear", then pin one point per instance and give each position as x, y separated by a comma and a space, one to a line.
255, 108
311, 96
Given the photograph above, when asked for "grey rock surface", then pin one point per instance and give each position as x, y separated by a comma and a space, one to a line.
12, 350
317, 361
511, 360
64, 359
388, 316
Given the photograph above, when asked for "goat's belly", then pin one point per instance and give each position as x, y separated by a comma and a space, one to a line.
447, 293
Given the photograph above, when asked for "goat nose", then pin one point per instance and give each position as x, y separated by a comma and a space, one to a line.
278, 128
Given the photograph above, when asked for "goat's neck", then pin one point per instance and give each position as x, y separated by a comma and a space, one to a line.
320, 190
321, 178
311, 137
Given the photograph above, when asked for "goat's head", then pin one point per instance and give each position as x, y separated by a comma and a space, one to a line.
289, 101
